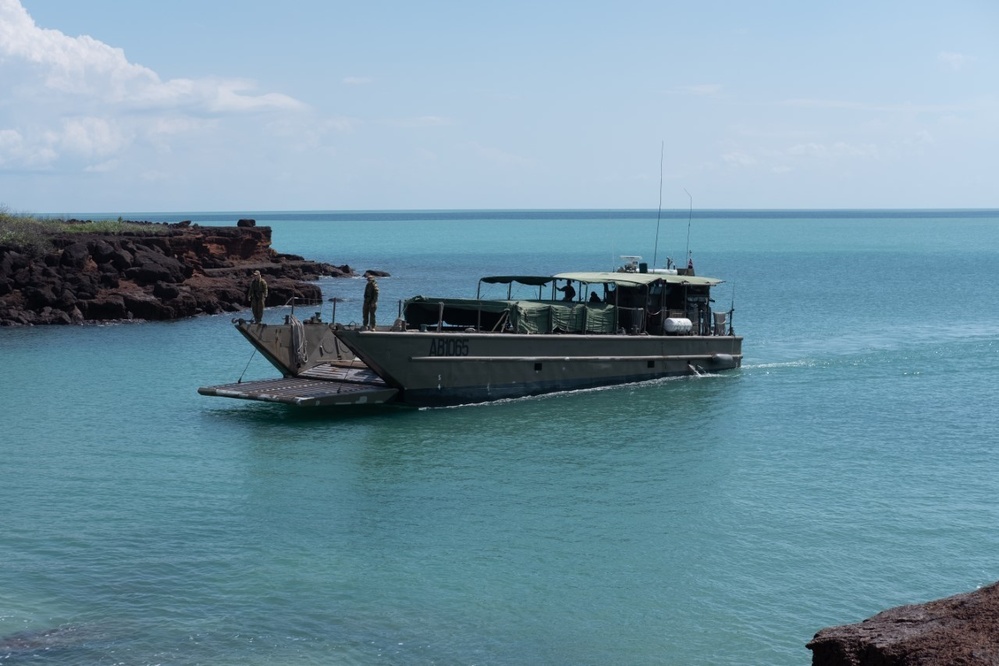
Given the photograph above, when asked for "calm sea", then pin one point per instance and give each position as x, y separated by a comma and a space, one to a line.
848, 467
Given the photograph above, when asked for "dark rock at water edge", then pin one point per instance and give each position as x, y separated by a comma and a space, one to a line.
963, 629
170, 272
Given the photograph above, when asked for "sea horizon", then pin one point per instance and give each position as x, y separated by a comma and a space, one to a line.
563, 213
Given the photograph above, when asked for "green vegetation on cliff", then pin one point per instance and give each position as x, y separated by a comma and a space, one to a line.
33, 234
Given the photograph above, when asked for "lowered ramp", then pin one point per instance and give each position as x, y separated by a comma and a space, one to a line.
320, 387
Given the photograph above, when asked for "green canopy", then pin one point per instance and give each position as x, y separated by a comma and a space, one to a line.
533, 280
605, 277
635, 279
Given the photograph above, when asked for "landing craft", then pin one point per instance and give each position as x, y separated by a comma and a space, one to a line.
612, 327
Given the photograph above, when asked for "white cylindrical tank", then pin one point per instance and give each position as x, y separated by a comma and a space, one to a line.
677, 325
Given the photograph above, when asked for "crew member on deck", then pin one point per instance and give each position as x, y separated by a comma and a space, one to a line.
568, 290
257, 295
370, 302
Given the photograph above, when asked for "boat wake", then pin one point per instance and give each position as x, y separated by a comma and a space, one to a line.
802, 363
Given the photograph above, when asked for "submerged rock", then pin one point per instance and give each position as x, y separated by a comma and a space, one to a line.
56, 643
963, 629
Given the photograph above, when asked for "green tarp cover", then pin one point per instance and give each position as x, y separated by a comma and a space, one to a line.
522, 316
541, 317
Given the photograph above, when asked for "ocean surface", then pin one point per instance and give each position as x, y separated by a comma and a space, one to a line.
850, 466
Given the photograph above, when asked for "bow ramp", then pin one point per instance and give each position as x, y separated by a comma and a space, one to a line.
323, 385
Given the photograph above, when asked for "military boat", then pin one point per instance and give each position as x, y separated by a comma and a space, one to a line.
572, 331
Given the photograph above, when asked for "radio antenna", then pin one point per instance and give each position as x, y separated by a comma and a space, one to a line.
662, 150
689, 215
731, 313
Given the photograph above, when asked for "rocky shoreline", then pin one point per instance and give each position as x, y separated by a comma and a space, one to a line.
152, 271
963, 629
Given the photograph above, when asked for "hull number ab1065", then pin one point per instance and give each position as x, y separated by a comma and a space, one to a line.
448, 347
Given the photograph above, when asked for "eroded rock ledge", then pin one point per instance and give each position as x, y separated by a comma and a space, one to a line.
963, 629
170, 272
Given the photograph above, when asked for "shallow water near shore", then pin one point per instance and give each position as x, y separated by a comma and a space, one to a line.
849, 466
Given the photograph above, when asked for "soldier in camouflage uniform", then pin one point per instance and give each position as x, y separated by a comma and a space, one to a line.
370, 302
257, 295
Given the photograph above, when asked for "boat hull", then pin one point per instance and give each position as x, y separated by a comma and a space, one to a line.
437, 369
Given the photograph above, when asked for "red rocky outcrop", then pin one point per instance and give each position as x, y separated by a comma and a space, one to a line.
170, 272
962, 629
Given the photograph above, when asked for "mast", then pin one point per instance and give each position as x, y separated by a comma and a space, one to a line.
662, 150
690, 214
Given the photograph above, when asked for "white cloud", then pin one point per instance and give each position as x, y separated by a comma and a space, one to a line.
18, 153
833, 150
775, 161
229, 96
74, 99
824, 104
75, 65
920, 138
700, 89
497, 156
738, 158
85, 66
903, 107
103, 167
421, 121
91, 137
955, 61
340, 124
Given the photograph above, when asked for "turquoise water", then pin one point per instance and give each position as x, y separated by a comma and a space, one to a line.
848, 467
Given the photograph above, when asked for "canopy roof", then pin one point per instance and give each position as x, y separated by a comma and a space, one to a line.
605, 277
632, 279
534, 280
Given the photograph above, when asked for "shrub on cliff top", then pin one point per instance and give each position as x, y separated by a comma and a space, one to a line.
22, 231
31, 234
113, 227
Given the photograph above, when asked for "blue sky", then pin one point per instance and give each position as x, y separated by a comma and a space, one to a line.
113, 105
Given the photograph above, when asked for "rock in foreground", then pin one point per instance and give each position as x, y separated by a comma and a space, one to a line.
168, 272
962, 629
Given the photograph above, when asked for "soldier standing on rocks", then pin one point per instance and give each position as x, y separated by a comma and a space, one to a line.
257, 296
370, 302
